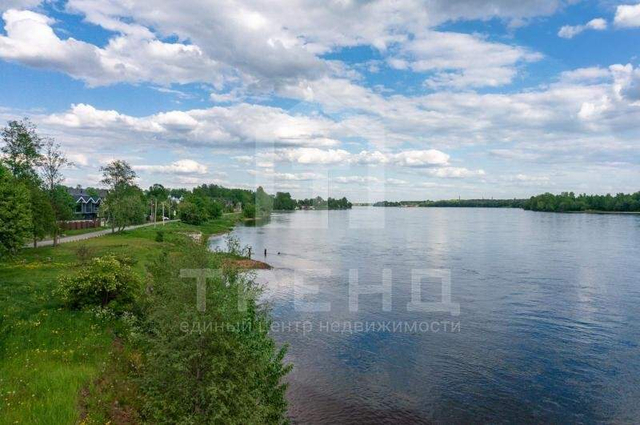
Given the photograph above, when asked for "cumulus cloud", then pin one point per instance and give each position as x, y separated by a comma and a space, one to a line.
627, 16
569, 31
261, 44
461, 60
233, 125
357, 179
183, 166
410, 158
454, 172
585, 75
32, 41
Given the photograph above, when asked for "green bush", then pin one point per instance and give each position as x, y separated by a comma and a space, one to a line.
84, 253
191, 213
160, 236
249, 211
216, 366
106, 282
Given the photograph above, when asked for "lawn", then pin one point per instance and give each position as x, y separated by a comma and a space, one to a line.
50, 355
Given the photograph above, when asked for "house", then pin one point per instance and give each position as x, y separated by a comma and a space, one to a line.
87, 204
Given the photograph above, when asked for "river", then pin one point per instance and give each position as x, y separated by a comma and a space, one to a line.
540, 319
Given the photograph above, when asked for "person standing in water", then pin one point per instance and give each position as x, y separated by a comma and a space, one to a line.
265, 252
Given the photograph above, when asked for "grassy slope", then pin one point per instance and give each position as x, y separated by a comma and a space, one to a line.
47, 353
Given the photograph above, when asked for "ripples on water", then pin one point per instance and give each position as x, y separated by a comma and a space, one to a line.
549, 315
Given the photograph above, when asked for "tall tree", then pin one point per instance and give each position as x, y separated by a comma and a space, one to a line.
124, 204
43, 220
21, 147
118, 174
62, 204
15, 213
52, 163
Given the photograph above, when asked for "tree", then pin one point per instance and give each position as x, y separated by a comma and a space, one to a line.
43, 220
118, 174
21, 148
283, 201
263, 202
249, 211
191, 213
63, 205
15, 213
124, 204
125, 207
53, 161
158, 192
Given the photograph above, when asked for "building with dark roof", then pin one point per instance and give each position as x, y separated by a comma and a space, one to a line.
87, 204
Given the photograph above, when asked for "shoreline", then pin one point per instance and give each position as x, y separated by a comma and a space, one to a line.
243, 263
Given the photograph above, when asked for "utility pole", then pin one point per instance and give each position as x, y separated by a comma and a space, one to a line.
163, 213
155, 215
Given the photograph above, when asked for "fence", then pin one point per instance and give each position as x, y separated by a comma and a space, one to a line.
79, 224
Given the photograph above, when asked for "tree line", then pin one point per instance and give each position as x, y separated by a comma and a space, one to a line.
32, 199
453, 203
568, 201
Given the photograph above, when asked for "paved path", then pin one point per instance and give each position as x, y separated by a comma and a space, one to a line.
84, 236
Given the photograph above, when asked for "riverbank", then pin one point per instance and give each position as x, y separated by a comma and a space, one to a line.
52, 355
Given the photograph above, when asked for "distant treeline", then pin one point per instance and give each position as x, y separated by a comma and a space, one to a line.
565, 202
568, 201
320, 204
462, 203
209, 201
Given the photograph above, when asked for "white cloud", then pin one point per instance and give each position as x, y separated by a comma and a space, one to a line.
461, 60
411, 158
261, 44
357, 179
236, 124
183, 166
585, 75
18, 4
32, 41
454, 172
627, 16
626, 82
569, 31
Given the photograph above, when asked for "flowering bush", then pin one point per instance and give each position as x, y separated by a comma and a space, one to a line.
106, 282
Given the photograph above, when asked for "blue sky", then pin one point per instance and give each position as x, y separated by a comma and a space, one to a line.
366, 99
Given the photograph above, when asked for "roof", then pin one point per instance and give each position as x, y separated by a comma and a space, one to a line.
81, 195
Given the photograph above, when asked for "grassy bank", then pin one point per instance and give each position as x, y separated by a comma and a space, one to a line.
51, 354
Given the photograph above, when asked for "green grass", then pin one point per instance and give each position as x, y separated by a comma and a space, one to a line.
49, 354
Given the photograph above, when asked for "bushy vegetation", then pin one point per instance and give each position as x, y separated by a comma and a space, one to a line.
213, 366
105, 282
284, 202
15, 214
190, 213
568, 201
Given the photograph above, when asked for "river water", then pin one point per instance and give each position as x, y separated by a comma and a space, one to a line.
540, 320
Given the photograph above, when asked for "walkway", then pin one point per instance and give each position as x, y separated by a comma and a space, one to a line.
84, 236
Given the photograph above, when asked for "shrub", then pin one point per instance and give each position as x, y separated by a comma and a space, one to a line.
106, 282
190, 213
225, 373
249, 211
160, 236
84, 254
